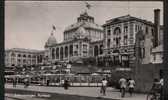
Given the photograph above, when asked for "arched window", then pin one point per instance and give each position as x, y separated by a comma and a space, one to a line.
57, 53
117, 31
96, 50
66, 51
101, 49
29, 56
24, 56
61, 53
53, 53
71, 50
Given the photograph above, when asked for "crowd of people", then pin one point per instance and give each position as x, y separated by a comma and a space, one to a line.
129, 85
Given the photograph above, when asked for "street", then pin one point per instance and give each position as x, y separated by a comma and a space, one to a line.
73, 92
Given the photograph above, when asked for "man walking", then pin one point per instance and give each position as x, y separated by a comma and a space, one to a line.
123, 84
103, 87
131, 85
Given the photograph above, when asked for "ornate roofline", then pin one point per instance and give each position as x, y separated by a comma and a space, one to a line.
126, 19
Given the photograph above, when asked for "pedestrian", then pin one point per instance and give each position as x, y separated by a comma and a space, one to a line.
26, 82
48, 82
66, 85
131, 85
103, 87
161, 83
156, 88
123, 85
14, 82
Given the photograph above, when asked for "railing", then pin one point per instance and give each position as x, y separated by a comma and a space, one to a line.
57, 80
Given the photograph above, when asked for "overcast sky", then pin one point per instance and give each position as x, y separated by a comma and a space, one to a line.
28, 24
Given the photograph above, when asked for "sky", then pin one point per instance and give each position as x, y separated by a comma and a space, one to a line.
28, 24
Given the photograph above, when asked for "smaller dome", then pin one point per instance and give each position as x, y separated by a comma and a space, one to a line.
51, 40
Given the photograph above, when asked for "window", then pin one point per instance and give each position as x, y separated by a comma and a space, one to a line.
53, 53
84, 47
117, 31
29, 56
108, 43
57, 53
125, 29
108, 30
101, 49
66, 51
24, 56
117, 41
85, 50
125, 40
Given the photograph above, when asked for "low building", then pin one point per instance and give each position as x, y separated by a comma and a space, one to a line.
23, 57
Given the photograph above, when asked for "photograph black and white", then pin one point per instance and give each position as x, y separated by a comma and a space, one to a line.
84, 50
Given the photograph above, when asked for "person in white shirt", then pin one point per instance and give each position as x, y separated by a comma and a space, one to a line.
123, 85
131, 85
103, 87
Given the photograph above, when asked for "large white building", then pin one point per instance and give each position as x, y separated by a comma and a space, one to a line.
111, 44
79, 41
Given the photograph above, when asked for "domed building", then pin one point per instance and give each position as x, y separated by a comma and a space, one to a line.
80, 40
51, 40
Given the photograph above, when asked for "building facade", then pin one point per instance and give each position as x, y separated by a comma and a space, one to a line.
111, 44
79, 41
125, 33
23, 57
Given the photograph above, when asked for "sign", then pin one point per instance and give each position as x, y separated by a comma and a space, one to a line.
69, 66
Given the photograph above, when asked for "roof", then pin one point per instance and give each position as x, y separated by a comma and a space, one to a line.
85, 25
126, 18
25, 50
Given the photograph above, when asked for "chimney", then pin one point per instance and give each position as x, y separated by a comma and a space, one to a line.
156, 27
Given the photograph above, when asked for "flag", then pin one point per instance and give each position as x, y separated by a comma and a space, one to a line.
88, 5
54, 27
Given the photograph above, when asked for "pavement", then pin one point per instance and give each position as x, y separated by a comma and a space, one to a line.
111, 93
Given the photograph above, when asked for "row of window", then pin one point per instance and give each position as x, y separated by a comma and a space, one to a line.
24, 55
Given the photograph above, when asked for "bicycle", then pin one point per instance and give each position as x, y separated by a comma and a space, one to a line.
153, 95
